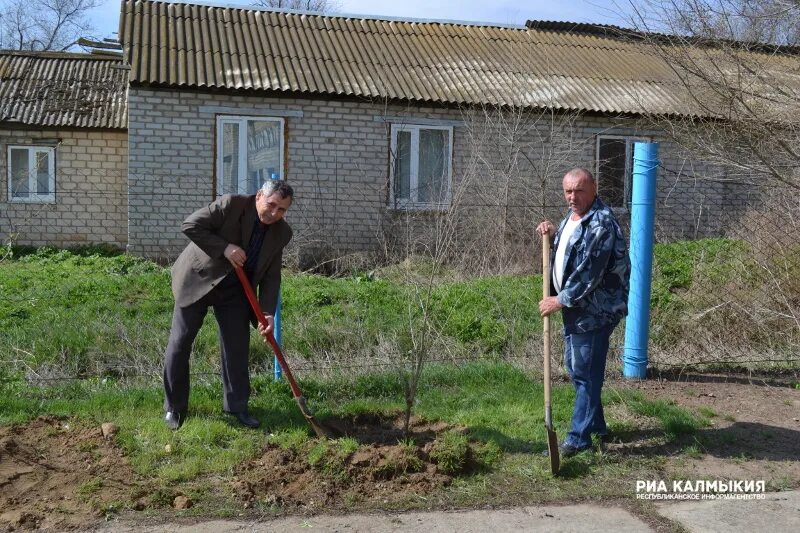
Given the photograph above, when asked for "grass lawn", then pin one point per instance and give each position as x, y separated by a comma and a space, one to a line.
494, 404
104, 318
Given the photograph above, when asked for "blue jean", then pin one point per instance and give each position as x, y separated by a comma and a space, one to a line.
585, 360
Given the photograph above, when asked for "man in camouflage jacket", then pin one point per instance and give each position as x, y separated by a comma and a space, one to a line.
591, 270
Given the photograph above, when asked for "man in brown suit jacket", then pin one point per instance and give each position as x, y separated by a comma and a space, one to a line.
246, 231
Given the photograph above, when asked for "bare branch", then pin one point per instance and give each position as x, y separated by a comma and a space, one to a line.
730, 59
44, 24
322, 6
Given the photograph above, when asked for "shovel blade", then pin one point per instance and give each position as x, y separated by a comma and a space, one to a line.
552, 448
320, 429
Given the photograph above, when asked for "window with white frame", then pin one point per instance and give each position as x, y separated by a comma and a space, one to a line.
420, 166
32, 174
615, 169
249, 152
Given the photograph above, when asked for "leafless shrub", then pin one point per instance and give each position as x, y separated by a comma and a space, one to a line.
742, 304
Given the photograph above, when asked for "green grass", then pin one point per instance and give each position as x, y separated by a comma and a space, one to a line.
707, 412
77, 314
676, 421
678, 265
685, 275
95, 312
712, 289
450, 452
85, 490
499, 406
329, 456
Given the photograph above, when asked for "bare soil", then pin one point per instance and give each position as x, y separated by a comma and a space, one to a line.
382, 470
753, 431
58, 473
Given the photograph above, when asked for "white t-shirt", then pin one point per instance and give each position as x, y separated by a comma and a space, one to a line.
558, 267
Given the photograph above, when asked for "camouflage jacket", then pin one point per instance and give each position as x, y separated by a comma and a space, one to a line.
597, 269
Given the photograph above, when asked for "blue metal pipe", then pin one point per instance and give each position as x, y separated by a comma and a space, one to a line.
643, 210
278, 372
277, 334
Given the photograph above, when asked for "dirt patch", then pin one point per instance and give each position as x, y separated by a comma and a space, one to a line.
386, 468
753, 431
59, 473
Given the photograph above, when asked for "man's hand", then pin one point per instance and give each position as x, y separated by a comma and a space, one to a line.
235, 255
549, 305
546, 228
266, 331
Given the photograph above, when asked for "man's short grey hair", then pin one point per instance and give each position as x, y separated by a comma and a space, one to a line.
281, 187
578, 172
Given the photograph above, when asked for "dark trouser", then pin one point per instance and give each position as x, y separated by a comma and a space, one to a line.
232, 314
585, 359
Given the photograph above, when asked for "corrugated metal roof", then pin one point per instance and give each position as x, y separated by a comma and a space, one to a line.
226, 47
63, 89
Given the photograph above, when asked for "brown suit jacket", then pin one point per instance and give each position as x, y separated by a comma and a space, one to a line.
202, 264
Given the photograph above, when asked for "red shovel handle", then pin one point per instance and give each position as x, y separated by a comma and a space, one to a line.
251, 297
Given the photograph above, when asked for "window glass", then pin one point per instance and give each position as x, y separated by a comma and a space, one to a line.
250, 151
402, 172
31, 173
42, 159
433, 165
613, 169
263, 153
19, 173
421, 166
230, 158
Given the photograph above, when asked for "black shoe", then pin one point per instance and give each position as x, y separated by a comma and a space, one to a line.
568, 451
174, 419
245, 419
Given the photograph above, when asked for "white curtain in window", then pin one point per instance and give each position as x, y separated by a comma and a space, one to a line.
433, 165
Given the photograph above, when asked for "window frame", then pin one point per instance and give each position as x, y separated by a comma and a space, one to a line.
242, 120
628, 177
33, 198
412, 204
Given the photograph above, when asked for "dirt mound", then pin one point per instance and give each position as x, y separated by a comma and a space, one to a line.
385, 467
59, 473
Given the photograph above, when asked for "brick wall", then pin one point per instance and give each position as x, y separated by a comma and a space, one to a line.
507, 172
91, 194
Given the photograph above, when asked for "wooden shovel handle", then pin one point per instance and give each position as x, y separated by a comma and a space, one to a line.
546, 322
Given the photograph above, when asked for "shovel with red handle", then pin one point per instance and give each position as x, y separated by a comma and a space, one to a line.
319, 429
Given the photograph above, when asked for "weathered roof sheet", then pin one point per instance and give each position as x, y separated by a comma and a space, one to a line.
63, 89
226, 47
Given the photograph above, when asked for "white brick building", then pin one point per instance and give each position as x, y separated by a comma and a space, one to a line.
381, 125
64, 149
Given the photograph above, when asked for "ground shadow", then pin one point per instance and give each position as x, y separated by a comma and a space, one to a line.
506, 443
783, 378
749, 440
752, 440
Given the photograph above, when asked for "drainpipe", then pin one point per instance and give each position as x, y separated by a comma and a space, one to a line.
643, 209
